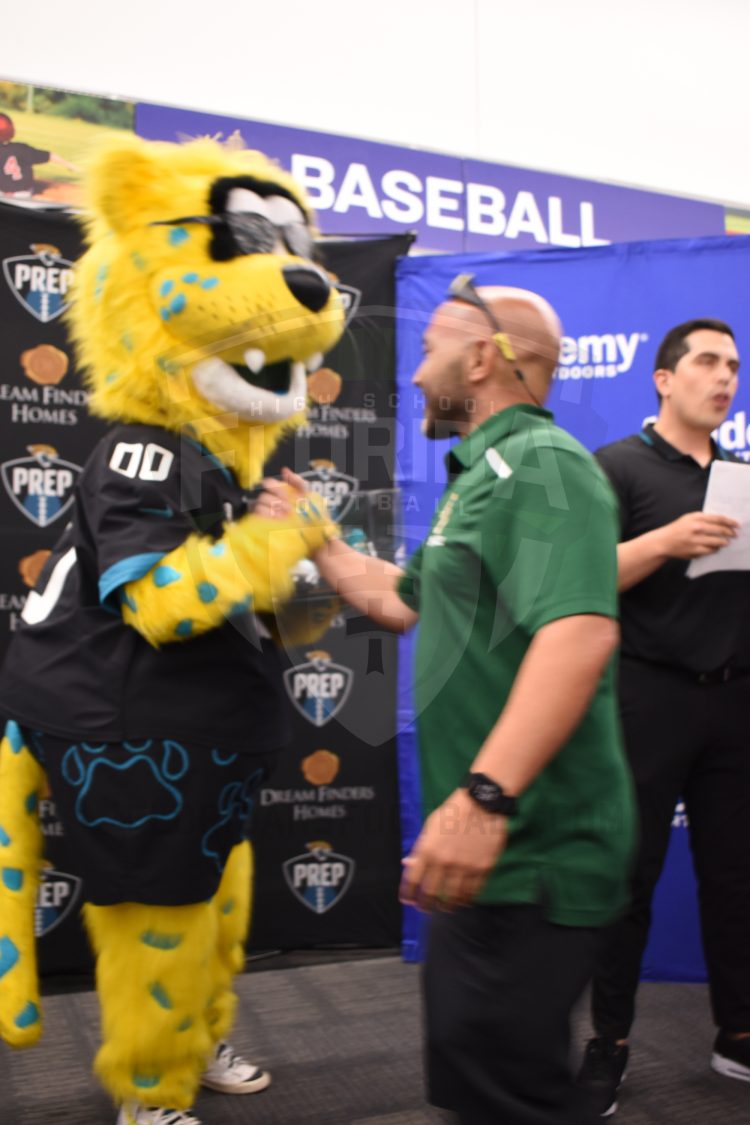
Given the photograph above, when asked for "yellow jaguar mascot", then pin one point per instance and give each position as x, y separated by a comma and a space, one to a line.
144, 682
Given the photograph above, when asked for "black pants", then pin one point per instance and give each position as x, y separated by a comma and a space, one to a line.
690, 740
499, 984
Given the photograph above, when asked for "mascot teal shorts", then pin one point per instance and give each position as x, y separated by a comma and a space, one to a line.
164, 838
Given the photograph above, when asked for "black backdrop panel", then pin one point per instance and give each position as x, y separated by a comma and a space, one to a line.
326, 824
328, 839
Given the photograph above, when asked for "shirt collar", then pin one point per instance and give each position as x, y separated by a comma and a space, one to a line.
472, 448
649, 436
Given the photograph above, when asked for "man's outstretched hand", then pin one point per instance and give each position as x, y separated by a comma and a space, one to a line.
453, 855
279, 498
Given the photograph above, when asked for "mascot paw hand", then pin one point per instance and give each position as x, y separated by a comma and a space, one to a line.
312, 510
292, 503
316, 528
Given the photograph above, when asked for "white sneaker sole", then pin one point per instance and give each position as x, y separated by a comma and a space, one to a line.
254, 1086
729, 1068
613, 1108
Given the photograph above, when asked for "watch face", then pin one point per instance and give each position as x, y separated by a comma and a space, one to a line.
489, 794
485, 792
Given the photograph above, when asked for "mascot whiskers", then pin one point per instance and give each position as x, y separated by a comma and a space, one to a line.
144, 682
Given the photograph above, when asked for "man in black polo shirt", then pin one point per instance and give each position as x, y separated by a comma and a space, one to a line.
684, 681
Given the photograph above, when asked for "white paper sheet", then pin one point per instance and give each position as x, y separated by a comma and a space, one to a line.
728, 494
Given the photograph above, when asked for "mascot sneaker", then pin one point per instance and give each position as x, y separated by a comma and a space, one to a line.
148, 1115
231, 1074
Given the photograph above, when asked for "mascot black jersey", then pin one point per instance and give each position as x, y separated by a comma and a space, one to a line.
78, 667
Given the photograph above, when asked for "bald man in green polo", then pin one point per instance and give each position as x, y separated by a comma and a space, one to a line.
529, 814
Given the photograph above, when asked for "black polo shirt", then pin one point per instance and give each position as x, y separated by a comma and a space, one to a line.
696, 624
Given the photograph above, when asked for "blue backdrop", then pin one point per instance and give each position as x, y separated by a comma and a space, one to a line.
616, 303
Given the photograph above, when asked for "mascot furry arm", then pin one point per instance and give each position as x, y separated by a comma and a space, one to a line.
204, 581
197, 311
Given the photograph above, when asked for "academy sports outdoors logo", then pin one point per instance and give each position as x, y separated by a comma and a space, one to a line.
734, 434
41, 485
596, 357
320, 877
338, 489
56, 897
40, 281
680, 817
319, 688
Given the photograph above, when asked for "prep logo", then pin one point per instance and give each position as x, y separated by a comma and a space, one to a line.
41, 485
320, 877
350, 300
319, 688
40, 281
597, 357
338, 489
56, 897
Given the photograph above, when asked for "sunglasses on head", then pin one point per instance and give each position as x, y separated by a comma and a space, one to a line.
462, 288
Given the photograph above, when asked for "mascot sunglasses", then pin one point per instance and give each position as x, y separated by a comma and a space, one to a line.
247, 232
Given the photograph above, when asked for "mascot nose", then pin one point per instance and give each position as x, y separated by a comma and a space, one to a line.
309, 287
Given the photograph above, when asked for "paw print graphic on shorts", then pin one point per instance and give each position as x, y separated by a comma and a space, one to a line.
235, 806
126, 784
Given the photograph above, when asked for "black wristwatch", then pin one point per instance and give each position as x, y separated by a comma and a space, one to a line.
489, 795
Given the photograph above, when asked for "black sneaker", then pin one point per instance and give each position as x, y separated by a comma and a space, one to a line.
602, 1073
731, 1057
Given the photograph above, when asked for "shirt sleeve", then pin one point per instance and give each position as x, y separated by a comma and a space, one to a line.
132, 522
37, 155
551, 542
408, 584
613, 470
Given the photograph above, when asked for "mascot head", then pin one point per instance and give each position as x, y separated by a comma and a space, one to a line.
198, 305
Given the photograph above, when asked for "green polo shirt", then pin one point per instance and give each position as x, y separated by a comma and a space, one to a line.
525, 533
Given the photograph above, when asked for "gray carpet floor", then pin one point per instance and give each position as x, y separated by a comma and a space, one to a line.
342, 1041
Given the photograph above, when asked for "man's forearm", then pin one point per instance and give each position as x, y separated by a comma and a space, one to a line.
637, 558
366, 583
551, 693
688, 537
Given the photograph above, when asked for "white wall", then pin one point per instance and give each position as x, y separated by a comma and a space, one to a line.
651, 93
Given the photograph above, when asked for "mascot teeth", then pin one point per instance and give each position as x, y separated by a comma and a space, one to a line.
313, 363
218, 382
255, 360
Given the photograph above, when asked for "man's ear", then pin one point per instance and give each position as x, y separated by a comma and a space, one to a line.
128, 185
481, 356
662, 378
